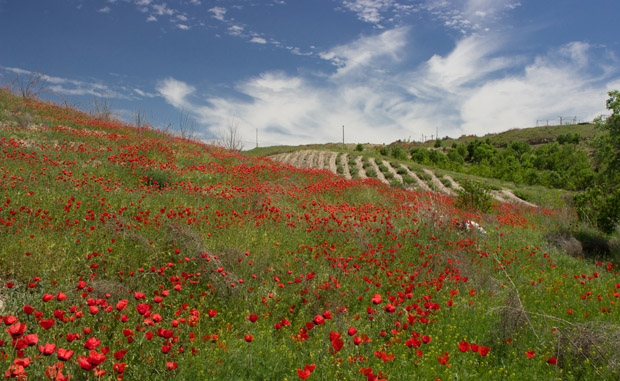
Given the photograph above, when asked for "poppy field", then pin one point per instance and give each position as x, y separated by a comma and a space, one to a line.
127, 253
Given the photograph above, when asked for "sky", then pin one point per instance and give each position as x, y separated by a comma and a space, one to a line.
296, 71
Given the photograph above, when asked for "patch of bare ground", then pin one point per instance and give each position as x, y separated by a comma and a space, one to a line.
393, 171
507, 196
344, 159
375, 167
419, 183
331, 161
437, 184
360, 167
454, 184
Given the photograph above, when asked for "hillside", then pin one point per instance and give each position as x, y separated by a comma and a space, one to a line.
127, 252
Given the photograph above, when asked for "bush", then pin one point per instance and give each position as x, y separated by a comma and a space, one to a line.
359, 148
383, 151
475, 195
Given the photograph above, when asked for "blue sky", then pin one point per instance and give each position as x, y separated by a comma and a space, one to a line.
296, 71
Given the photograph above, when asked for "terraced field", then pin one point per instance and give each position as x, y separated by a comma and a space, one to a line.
352, 166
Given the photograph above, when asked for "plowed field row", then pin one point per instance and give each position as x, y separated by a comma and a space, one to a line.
355, 166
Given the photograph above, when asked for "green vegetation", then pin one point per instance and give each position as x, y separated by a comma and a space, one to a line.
129, 253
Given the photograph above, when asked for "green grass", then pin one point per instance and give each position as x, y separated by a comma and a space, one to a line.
240, 269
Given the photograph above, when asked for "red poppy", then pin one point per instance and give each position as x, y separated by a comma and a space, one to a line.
530, 354
64, 354
248, 338
464, 346
318, 320
119, 367
253, 318
171, 365
92, 343
357, 340
483, 350
31, 339
337, 344
61, 296
352, 331
96, 358
84, 364
444, 359
16, 330
47, 297
212, 313
47, 349
120, 354
426, 339
28, 309
552, 360
376, 299
303, 374
47, 323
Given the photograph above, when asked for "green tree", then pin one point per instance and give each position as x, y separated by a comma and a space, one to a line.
600, 202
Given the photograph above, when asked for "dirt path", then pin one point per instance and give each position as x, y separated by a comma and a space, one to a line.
511, 198
344, 159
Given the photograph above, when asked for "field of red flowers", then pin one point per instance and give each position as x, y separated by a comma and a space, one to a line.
126, 253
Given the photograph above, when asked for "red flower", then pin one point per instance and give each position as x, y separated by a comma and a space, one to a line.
28, 309
47, 349
357, 340
248, 338
60, 297
552, 360
337, 344
96, 358
483, 350
119, 367
47, 323
352, 331
212, 313
530, 354
31, 339
120, 354
171, 365
303, 374
376, 299
84, 364
17, 330
464, 346
426, 339
444, 359
92, 343
318, 320
253, 318
47, 297
64, 354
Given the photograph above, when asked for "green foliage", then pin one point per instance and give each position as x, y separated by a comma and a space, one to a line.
398, 153
600, 203
359, 148
438, 143
568, 138
384, 151
475, 195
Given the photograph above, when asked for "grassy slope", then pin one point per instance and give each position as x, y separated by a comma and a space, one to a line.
217, 264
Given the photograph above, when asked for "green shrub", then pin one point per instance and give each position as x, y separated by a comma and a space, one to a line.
475, 195
359, 148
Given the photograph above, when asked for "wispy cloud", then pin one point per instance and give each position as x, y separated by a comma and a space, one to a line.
219, 13
104, 10
258, 40
175, 92
469, 16
473, 89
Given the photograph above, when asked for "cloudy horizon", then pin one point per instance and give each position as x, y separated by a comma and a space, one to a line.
384, 69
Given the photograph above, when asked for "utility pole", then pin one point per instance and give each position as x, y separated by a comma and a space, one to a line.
343, 136
257, 138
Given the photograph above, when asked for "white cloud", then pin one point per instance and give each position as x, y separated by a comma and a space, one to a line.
235, 30
218, 13
368, 10
162, 9
473, 89
105, 9
258, 40
367, 50
469, 15
175, 92
182, 26
151, 18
